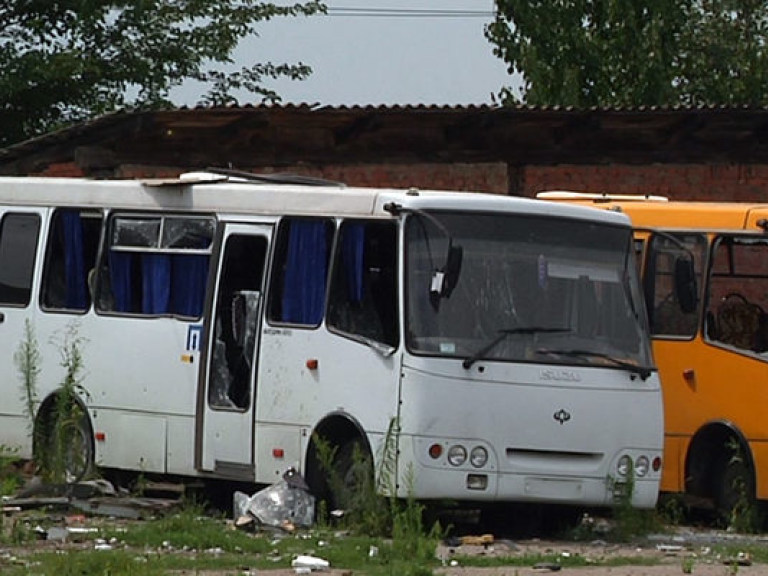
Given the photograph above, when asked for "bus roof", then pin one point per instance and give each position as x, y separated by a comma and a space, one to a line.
209, 192
658, 212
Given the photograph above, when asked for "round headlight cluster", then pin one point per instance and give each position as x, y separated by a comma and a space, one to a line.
457, 455
478, 457
640, 466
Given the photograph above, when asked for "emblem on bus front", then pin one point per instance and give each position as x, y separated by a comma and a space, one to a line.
561, 375
562, 416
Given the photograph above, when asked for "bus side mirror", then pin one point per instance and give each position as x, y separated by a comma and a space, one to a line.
445, 279
686, 290
452, 269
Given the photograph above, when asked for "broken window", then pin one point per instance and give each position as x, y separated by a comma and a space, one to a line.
737, 310
235, 321
156, 265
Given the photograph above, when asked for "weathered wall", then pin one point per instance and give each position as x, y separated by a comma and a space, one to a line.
677, 181
718, 182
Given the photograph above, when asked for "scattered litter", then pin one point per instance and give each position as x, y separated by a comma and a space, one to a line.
57, 534
313, 563
669, 548
741, 559
285, 504
481, 540
373, 551
102, 544
549, 566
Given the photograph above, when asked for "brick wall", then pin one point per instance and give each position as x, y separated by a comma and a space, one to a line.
481, 177
723, 182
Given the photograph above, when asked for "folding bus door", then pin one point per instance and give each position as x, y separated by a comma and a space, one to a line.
19, 249
225, 432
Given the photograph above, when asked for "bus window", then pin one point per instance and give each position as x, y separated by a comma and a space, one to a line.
672, 308
73, 242
297, 295
155, 265
363, 293
529, 288
18, 243
738, 293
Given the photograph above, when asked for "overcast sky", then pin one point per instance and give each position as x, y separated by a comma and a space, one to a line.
368, 57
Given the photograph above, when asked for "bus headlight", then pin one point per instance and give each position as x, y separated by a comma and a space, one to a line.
641, 466
624, 466
478, 457
457, 455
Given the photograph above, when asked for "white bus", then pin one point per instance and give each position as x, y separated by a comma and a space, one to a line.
227, 322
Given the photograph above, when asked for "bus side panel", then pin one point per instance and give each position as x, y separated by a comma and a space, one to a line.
351, 379
141, 376
723, 386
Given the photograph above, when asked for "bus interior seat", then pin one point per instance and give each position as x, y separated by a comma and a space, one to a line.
738, 321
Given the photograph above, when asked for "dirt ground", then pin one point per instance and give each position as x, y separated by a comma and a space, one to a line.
686, 551
658, 556
683, 550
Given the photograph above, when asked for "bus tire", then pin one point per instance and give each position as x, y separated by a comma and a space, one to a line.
734, 489
352, 475
76, 460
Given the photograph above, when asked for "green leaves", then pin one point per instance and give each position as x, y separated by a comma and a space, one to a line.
587, 53
66, 61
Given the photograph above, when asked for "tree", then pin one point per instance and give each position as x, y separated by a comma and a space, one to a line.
585, 53
64, 61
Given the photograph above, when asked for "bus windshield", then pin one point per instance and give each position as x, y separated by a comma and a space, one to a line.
528, 289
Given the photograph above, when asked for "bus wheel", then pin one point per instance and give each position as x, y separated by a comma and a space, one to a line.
734, 489
67, 453
352, 476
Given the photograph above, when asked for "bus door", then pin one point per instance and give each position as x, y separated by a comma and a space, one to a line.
19, 240
225, 437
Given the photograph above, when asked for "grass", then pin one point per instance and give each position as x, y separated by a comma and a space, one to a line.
188, 541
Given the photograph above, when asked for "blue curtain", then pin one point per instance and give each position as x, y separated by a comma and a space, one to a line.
120, 280
156, 283
305, 273
189, 276
74, 267
352, 245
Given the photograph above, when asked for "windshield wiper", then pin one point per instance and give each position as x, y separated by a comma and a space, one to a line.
643, 371
503, 333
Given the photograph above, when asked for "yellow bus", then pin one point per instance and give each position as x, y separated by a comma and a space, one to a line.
705, 277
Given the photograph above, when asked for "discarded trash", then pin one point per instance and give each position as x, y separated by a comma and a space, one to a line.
373, 551
550, 566
741, 559
285, 504
311, 562
57, 533
669, 548
481, 540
